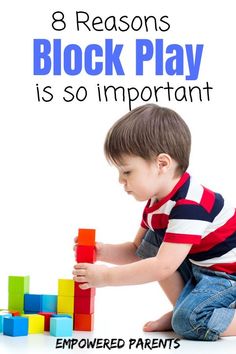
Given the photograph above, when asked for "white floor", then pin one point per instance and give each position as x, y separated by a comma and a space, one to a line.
120, 313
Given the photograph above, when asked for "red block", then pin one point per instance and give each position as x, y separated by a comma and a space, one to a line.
84, 305
83, 322
83, 293
47, 316
85, 254
86, 237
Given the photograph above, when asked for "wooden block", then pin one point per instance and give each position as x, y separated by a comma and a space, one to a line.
49, 303
65, 304
65, 287
15, 326
18, 284
14, 313
86, 237
47, 316
36, 323
2, 316
64, 314
83, 322
32, 303
85, 254
61, 326
84, 305
16, 302
83, 293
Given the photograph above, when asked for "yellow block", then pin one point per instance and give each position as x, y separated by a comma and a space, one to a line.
65, 304
36, 323
65, 287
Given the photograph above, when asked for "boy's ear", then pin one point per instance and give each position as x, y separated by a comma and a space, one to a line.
163, 161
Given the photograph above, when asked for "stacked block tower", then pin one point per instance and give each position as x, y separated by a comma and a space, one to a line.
72, 308
65, 300
84, 299
17, 288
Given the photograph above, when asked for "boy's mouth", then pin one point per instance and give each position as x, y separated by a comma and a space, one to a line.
128, 192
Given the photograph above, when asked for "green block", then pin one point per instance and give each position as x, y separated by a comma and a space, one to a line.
16, 302
18, 284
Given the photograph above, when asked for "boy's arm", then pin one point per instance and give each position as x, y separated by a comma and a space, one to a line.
168, 259
121, 253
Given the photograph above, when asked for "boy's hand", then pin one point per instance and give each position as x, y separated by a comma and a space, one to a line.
91, 275
98, 247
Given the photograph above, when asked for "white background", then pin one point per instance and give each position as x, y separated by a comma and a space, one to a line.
54, 177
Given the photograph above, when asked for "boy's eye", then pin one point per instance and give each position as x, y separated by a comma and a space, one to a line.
126, 173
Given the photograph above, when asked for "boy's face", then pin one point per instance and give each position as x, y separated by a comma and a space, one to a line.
141, 178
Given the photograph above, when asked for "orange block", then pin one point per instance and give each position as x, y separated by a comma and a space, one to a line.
83, 322
86, 237
15, 313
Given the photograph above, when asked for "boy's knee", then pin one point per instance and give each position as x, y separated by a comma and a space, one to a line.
180, 321
182, 325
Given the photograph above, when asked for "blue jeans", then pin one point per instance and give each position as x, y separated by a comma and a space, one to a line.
206, 305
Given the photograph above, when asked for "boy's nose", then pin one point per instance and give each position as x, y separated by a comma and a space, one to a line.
121, 180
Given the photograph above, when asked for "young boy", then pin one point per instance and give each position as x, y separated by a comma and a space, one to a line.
187, 238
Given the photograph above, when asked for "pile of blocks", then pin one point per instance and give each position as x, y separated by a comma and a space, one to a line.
72, 308
84, 299
15, 326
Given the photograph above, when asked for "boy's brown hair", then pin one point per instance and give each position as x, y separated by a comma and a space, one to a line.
148, 131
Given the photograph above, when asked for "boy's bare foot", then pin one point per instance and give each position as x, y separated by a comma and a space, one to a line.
160, 325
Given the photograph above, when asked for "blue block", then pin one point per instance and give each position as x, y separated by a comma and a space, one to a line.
15, 326
61, 315
49, 303
3, 315
32, 303
61, 326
